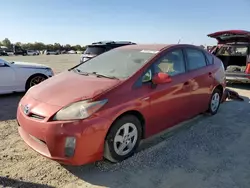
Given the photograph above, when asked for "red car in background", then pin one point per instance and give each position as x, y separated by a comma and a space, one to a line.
107, 105
234, 50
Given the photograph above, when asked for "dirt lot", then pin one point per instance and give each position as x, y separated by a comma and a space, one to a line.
206, 152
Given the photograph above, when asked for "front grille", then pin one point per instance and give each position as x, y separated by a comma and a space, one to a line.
32, 115
35, 116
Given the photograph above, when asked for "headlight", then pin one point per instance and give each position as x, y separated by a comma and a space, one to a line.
50, 71
79, 110
85, 59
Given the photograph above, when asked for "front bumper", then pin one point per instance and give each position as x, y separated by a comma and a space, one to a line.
48, 138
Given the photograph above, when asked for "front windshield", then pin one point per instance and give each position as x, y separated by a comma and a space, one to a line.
119, 63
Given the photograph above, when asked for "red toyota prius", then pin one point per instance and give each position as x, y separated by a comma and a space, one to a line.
106, 106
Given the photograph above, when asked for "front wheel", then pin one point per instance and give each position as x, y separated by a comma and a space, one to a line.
123, 138
34, 80
215, 101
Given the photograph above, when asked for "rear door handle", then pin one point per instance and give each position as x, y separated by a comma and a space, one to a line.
186, 83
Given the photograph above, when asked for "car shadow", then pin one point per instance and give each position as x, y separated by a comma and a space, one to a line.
8, 104
9, 182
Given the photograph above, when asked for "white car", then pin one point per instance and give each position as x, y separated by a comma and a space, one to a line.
72, 52
51, 52
20, 76
32, 52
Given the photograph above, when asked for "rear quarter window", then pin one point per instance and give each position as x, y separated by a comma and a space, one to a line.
210, 59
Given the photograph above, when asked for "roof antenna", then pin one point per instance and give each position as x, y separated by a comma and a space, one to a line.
179, 41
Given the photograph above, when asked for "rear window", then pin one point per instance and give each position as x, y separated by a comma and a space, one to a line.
94, 50
232, 51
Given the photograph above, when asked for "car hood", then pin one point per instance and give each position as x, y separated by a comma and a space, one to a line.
68, 87
28, 65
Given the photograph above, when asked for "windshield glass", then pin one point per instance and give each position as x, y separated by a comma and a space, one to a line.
119, 63
95, 50
232, 51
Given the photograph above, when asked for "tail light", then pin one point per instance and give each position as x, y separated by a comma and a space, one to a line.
248, 68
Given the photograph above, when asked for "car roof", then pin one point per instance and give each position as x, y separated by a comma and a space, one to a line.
156, 47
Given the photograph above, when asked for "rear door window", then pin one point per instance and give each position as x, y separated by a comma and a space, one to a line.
195, 58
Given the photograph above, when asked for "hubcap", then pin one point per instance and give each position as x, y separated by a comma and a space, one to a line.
125, 139
215, 102
36, 80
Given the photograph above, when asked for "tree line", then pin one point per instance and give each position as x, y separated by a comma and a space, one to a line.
41, 46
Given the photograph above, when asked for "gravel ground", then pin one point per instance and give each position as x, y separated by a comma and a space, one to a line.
206, 152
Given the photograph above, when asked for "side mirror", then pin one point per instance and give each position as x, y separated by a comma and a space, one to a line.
161, 78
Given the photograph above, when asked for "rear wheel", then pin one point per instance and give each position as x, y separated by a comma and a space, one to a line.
215, 101
123, 138
34, 80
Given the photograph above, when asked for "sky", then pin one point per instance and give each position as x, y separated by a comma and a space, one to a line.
141, 21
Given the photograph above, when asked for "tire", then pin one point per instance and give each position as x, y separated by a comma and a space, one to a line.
34, 80
214, 102
116, 138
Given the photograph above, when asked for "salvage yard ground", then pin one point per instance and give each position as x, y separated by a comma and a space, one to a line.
206, 152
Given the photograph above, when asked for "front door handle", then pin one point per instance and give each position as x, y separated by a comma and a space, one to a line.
186, 83
210, 74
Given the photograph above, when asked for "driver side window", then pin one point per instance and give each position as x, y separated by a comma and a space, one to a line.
172, 63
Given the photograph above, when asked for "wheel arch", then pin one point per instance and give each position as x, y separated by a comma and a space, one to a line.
135, 113
220, 88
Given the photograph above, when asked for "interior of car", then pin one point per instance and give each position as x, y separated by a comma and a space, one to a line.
234, 57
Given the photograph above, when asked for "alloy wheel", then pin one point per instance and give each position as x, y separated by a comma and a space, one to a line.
215, 102
125, 139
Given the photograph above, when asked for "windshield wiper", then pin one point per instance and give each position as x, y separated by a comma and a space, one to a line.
104, 76
94, 73
81, 72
